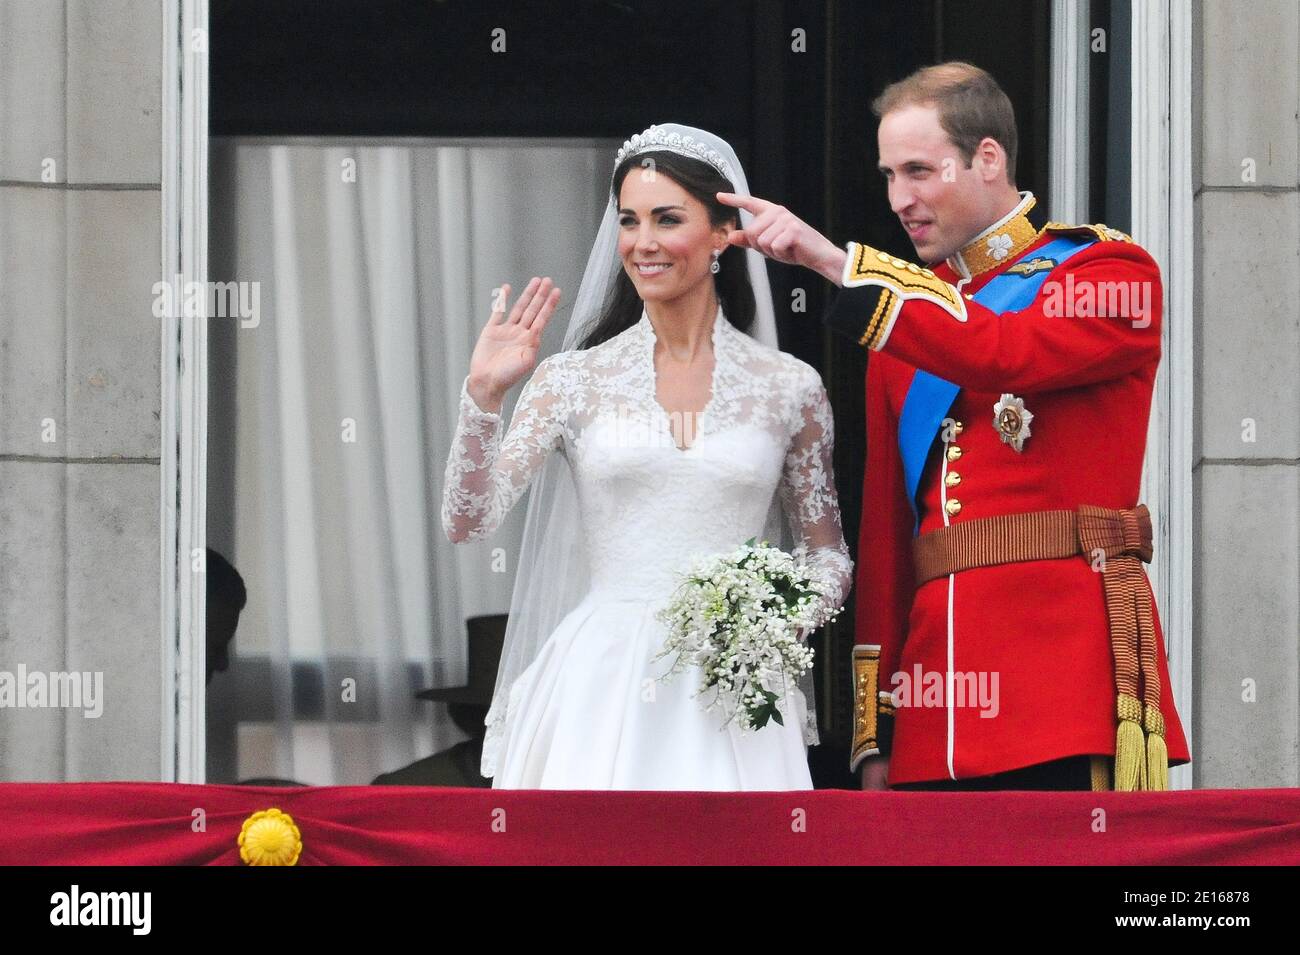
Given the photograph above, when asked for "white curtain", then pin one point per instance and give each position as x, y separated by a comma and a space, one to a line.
330, 420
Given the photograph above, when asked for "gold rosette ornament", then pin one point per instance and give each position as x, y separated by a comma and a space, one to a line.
1011, 419
269, 837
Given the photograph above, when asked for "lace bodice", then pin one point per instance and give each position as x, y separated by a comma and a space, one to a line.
647, 505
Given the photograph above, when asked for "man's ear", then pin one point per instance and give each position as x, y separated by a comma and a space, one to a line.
992, 158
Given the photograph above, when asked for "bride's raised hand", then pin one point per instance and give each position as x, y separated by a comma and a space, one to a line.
506, 351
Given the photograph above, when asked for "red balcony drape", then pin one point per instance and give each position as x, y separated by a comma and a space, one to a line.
156, 823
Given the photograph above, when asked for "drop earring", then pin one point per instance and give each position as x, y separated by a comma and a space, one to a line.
715, 268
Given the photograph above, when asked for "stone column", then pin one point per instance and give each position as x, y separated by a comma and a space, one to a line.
1246, 173
80, 227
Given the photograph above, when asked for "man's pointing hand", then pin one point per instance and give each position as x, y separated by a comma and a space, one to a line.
779, 234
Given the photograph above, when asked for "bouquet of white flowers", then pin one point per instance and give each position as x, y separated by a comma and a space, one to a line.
741, 617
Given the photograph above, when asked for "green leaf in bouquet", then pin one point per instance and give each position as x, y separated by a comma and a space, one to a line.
760, 714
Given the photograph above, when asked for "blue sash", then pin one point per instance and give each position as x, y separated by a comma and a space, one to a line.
929, 397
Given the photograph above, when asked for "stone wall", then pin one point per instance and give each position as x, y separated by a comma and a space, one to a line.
80, 227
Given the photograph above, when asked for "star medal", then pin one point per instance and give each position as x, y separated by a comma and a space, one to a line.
1011, 419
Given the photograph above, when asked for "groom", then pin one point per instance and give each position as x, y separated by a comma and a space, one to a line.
1007, 636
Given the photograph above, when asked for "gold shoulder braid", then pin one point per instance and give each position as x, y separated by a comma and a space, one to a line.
1099, 230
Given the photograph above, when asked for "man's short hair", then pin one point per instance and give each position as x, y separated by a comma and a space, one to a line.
970, 103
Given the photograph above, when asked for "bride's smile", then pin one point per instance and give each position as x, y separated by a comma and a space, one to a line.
666, 240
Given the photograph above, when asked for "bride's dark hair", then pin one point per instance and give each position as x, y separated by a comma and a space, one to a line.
622, 309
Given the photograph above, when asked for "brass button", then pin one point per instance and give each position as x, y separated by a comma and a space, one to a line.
953, 507
957, 427
952, 479
954, 452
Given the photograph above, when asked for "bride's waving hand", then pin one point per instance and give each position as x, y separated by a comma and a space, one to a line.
487, 474
506, 350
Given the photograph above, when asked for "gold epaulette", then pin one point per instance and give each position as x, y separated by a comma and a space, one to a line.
1099, 230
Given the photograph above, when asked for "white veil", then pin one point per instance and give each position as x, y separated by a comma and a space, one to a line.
552, 573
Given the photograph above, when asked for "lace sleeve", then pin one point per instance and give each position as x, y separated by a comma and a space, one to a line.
811, 501
487, 475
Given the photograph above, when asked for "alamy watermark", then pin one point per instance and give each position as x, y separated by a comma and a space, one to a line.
632, 428
1085, 298
925, 688
180, 299
56, 689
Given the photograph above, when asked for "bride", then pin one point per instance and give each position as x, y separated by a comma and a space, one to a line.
669, 427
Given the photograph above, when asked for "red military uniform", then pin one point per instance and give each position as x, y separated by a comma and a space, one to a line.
1071, 371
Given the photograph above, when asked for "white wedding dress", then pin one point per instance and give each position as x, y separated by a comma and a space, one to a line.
589, 713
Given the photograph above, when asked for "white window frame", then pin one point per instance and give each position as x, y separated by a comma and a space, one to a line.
1161, 219
1162, 213
1068, 178
184, 390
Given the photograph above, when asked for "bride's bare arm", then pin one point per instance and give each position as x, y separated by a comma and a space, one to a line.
810, 499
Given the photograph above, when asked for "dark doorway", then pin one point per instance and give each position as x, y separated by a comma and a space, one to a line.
788, 82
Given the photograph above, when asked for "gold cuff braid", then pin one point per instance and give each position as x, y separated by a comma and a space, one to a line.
866, 693
899, 281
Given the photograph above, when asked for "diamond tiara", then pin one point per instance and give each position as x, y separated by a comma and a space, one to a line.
655, 138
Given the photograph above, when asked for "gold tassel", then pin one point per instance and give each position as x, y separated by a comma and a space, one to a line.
1101, 774
1157, 751
1157, 762
1130, 752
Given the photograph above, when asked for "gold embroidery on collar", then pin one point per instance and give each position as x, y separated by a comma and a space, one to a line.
1001, 245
